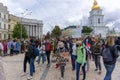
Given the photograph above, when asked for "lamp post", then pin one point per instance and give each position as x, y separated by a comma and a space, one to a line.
23, 15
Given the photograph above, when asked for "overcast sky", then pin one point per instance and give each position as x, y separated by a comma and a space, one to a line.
63, 12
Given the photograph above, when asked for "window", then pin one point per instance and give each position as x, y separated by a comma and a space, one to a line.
9, 27
99, 20
0, 15
91, 21
0, 26
97, 11
4, 36
4, 16
4, 26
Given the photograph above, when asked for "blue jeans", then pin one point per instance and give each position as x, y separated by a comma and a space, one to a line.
39, 58
78, 70
109, 70
32, 66
73, 57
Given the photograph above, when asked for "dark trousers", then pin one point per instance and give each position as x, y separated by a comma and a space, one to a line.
78, 71
73, 58
62, 68
11, 51
48, 56
26, 59
97, 62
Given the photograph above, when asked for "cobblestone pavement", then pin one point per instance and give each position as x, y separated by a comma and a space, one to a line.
13, 67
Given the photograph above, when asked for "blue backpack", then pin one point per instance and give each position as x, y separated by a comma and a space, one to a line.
35, 51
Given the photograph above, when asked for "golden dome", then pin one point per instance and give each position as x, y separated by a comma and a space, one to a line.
95, 6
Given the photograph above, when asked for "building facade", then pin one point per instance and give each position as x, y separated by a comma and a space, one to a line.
96, 21
34, 27
13, 20
3, 22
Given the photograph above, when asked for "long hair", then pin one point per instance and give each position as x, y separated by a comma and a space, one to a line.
110, 41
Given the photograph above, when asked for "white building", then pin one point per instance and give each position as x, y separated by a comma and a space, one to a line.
96, 21
34, 27
3, 22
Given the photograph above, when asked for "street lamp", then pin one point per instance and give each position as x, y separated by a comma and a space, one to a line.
23, 15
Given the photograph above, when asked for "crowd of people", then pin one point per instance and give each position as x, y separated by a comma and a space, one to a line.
81, 51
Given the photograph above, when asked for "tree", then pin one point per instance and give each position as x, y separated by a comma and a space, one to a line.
17, 31
56, 32
87, 29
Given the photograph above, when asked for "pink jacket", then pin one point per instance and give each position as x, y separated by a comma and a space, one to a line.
4, 46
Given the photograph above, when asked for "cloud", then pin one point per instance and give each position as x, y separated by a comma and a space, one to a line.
62, 12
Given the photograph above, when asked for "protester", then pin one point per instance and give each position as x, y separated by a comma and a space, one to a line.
5, 48
81, 60
18, 46
1, 48
97, 54
42, 53
109, 57
32, 58
61, 61
48, 48
73, 56
8, 47
26, 60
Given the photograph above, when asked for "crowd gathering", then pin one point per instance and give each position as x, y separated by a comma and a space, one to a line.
81, 51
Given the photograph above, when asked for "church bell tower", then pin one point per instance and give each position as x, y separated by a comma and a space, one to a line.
96, 18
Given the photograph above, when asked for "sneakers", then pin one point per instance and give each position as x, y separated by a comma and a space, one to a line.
96, 69
99, 72
24, 74
29, 78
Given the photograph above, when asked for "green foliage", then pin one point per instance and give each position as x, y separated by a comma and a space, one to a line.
17, 31
87, 29
56, 32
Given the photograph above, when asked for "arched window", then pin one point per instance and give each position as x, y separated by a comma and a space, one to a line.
99, 20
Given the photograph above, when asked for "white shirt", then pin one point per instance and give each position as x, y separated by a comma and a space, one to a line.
1, 46
41, 49
74, 49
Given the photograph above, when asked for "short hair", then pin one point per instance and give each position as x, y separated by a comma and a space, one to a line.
31, 40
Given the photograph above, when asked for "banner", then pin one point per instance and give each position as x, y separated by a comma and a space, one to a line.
76, 33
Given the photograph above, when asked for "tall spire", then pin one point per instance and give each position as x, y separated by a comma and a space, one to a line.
95, 5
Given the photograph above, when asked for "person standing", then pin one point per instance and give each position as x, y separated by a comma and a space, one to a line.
48, 48
8, 47
32, 58
1, 48
26, 59
109, 57
81, 60
97, 54
18, 46
73, 55
5, 48
42, 53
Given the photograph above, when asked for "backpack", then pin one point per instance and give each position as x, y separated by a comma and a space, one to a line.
35, 51
12, 46
107, 55
116, 54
